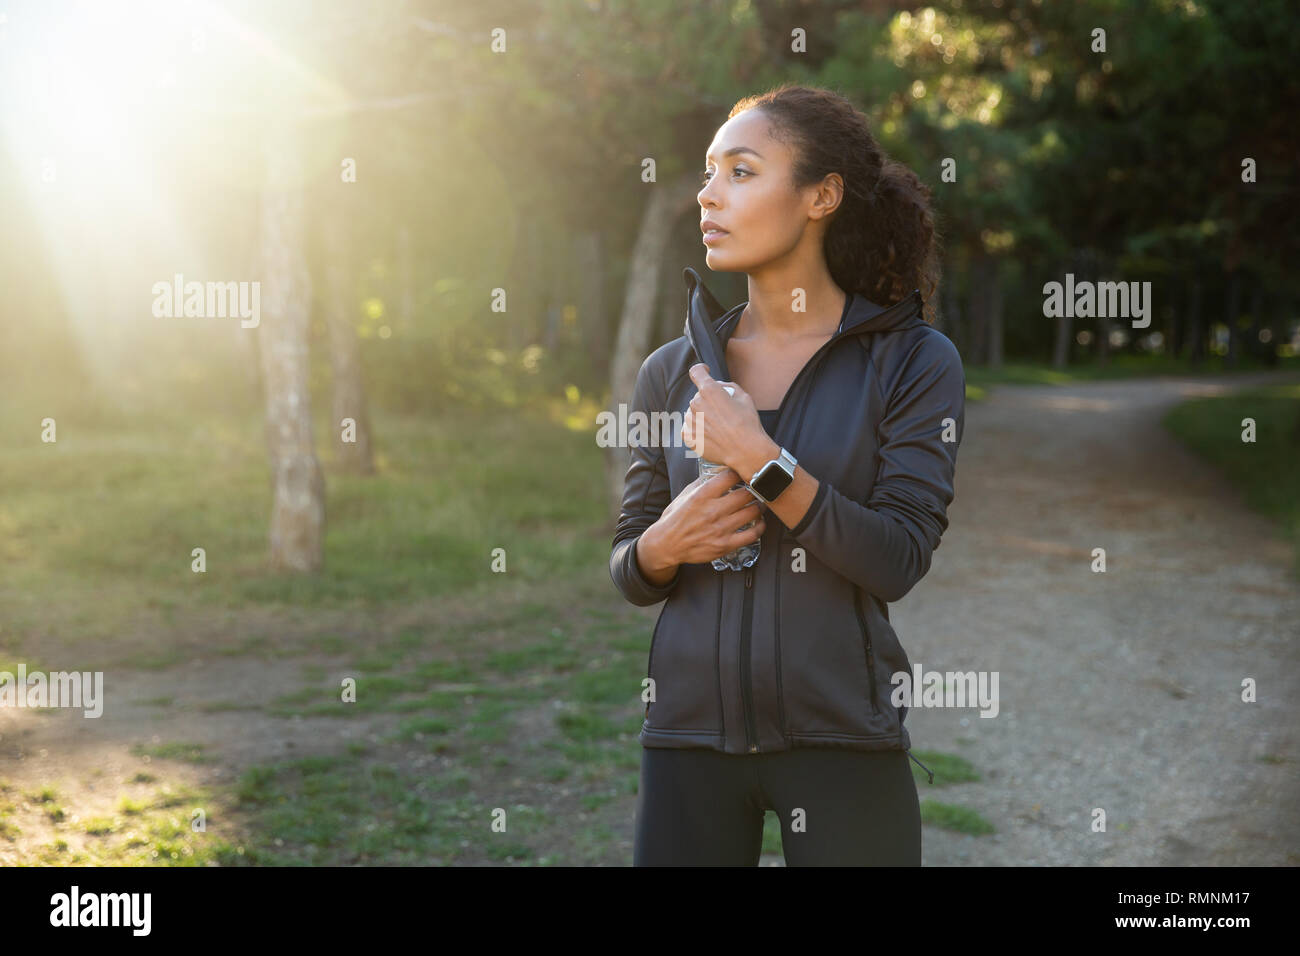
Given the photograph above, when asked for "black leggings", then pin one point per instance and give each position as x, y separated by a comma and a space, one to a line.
702, 807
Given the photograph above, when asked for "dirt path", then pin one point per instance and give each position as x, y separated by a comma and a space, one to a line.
1118, 690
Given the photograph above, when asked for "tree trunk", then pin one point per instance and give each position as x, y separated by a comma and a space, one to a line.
669, 320
1091, 271
993, 295
978, 297
1169, 338
1064, 328
1232, 308
949, 321
645, 278
1254, 347
1272, 308
1195, 335
298, 492
349, 392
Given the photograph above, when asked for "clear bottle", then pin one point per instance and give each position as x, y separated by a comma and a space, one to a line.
744, 556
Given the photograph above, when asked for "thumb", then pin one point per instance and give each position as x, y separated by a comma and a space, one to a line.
699, 373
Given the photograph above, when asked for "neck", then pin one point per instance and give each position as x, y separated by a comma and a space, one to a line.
770, 312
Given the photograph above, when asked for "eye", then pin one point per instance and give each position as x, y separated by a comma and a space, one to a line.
704, 176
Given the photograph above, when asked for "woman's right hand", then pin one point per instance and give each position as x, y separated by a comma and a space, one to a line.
700, 523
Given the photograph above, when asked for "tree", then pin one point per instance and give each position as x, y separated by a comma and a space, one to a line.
339, 306
297, 483
666, 205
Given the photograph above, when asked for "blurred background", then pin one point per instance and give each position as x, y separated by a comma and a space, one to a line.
456, 230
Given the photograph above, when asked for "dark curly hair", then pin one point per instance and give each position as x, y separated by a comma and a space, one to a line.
882, 241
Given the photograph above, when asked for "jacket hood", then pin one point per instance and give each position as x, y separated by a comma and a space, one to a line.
705, 317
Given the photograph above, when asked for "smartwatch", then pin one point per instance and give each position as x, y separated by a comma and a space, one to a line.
773, 478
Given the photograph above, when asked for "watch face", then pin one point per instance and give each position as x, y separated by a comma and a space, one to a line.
771, 482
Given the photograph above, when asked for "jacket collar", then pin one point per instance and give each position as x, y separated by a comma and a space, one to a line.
706, 318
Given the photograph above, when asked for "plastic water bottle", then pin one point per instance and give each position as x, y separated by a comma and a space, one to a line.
744, 556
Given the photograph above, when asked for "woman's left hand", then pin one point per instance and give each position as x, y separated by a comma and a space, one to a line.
724, 428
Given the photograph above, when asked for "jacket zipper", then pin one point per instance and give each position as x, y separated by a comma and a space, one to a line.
866, 642
776, 600
811, 363
746, 690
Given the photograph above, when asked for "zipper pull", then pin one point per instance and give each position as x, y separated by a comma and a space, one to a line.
749, 577
923, 767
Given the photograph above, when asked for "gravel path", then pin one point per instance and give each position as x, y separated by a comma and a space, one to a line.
1122, 690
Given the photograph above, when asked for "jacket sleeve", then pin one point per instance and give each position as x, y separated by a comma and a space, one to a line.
646, 494
886, 545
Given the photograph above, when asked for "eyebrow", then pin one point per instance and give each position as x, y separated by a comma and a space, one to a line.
736, 149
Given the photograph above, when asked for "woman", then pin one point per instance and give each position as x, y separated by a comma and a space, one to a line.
769, 687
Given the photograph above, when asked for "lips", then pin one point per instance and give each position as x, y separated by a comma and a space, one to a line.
712, 231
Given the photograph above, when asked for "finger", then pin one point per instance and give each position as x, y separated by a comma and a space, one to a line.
724, 480
699, 373
743, 507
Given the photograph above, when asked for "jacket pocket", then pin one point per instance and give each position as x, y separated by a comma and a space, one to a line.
889, 653
683, 657
867, 649
826, 675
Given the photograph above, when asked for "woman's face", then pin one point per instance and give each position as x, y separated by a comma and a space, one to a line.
749, 194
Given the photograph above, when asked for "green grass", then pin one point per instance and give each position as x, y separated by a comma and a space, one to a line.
174, 750
948, 769
45, 794
447, 494
340, 810
1118, 367
145, 830
1264, 470
952, 817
